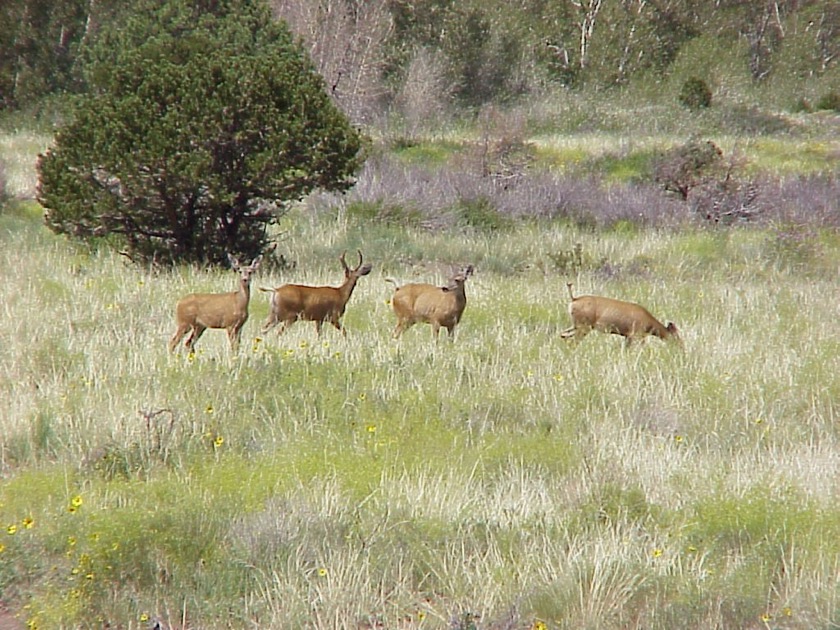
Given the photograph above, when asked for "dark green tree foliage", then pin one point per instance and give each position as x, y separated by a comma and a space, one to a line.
203, 121
39, 42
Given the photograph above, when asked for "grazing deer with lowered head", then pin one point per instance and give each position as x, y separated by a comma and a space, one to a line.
199, 311
632, 321
292, 302
426, 303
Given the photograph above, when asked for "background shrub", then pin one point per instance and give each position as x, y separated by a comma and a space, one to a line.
680, 169
194, 141
695, 94
830, 100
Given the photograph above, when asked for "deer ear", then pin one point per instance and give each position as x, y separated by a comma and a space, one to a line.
233, 261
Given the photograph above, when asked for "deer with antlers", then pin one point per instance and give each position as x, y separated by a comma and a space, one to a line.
292, 302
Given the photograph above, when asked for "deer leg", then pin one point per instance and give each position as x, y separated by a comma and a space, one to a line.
179, 334
234, 337
402, 326
195, 333
337, 323
284, 326
575, 333
270, 323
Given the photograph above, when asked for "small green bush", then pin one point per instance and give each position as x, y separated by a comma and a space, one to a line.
482, 215
382, 212
753, 121
830, 101
568, 260
695, 94
802, 106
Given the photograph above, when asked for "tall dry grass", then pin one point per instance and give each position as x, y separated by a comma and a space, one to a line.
506, 480
501, 481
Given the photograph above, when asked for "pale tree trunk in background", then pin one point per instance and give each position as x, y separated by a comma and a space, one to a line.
828, 27
588, 12
345, 39
629, 44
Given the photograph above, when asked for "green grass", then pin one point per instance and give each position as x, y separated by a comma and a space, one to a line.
621, 158
334, 481
504, 480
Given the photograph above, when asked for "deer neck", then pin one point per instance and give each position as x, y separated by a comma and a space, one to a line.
460, 294
243, 296
346, 289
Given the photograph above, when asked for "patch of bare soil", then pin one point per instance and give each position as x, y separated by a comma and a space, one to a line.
8, 621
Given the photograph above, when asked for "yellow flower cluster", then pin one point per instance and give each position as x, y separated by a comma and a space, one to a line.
75, 504
12, 529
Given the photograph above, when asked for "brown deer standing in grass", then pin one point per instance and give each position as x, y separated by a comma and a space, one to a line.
199, 311
632, 321
427, 303
292, 302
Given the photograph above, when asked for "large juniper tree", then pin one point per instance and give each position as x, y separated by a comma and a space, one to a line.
203, 120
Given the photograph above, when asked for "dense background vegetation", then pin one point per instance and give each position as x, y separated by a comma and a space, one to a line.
414, 58
679, 154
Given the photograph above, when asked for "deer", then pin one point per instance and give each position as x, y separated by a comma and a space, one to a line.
292, 302
632, 321
199, 311
442, 307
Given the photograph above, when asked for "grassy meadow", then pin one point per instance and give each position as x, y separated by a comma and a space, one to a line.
509, 480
